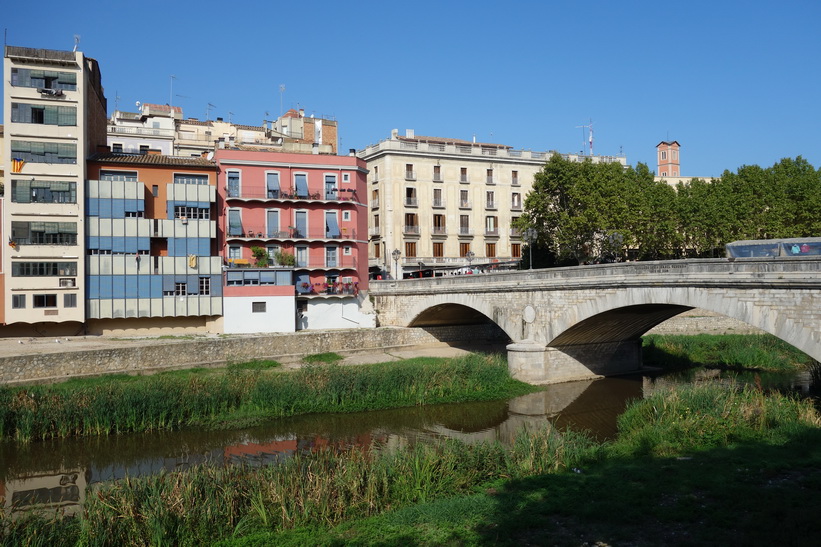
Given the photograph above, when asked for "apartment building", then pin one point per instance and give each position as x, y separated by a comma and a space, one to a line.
294, 214
444, 204
152, 259
55, 116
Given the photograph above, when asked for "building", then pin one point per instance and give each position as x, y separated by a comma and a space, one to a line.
293, 214
162, 128
444, 204
55, 117
152, 260
669, 164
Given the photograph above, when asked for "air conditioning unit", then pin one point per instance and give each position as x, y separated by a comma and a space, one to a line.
184, 220
68, 282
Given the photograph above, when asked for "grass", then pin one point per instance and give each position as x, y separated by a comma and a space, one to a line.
741, 352
657, 484
328, 357
244, 394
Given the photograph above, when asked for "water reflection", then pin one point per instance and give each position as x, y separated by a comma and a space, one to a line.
54, 474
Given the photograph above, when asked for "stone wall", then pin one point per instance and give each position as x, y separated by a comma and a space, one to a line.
134, 357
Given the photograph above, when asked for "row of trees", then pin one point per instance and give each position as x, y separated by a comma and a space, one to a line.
580, 212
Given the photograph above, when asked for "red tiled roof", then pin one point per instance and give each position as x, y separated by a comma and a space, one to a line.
152, 159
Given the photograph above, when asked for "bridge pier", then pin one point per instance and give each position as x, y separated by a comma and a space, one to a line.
535, 363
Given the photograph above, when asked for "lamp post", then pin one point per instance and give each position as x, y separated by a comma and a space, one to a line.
469, 255
396, 254
530, 234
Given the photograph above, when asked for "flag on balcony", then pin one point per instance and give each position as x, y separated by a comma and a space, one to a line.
17, 165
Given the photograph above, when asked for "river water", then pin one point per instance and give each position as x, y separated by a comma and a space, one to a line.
55, 474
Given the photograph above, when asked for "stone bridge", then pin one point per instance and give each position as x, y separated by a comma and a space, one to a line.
580, 322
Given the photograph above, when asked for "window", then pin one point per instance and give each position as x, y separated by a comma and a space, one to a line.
128, 176
301, 257
409, 172
376, 174
272, 185
346, 216
675, 154
437, 198
44, 152
490, 176
463, 174
464, 225
234, 222
490, 250
490, 200
117, 147
18, 301
346, 177
439, 225
180, 289
491, 226
258, 307
46, 79
464, 249
183, 178
301, 185
331, 187
155, 190
374, 199
43, 191
233, 184
272, 251
410, 197
516, 250
438, 250
437, 173
44, 233
410, 249
377, 250
516, 200
330, 257
144, 149
205, 286
411, 223
234, 252
45, 300
43, 114
514, 178
464, 201
191, 213
70, 300
346, 250
664, 154
376, 221
43, 269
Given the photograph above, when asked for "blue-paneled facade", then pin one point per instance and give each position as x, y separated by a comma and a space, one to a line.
151, 267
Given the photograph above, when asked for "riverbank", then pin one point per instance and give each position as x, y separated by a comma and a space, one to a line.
706, 466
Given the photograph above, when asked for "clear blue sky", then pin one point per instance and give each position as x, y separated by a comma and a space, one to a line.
736, 83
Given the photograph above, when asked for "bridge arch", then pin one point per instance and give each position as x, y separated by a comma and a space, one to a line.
453, 309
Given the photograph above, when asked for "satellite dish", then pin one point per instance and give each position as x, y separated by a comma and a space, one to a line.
210, 156
138, 104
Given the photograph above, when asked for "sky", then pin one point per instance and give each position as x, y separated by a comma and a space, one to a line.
735, 83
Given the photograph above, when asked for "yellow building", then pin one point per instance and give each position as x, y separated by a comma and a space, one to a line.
448, 203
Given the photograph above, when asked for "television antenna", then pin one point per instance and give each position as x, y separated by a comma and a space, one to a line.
171, 92
281, 91
587, 135
229, 116
208, 108
76, 42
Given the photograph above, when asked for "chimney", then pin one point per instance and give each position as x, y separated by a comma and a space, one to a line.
394, 134
301, 112
219, 119
102, 149
409, 133
351, 151
221, 143
315, 148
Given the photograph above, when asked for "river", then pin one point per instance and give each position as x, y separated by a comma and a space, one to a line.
56, 473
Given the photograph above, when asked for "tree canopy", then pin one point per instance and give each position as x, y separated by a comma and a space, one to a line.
583, 211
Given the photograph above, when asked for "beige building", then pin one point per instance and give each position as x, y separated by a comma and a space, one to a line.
55, 116
438, 203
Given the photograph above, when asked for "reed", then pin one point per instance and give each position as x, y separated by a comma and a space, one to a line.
245, 393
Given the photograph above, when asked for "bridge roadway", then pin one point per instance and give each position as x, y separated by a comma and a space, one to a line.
580, 322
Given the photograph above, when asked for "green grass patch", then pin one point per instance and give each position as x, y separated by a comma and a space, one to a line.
262, 364
244, 395
328, 357
754, 352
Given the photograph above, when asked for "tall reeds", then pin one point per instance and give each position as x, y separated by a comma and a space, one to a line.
169, 401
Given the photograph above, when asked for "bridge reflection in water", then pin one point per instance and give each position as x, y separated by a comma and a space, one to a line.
54, 474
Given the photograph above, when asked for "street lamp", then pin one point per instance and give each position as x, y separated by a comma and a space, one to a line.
421, 267
396, 254
530, 235
469, 255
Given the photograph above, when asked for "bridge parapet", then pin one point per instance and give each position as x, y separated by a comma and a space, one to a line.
579, 314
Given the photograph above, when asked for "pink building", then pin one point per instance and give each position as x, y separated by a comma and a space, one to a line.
669, 164
295, 217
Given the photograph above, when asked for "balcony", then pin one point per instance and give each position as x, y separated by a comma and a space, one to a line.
411, 230
516, 206
492, 232
147, 131
465, 231
464, 179
439, 231
437, 177
328, 289
491, 180
410, 175
288, 194
375, 203
411, 202
490, 205
337, 263
464, 204
514, 181
252, 232
515, 233
375, 231
438, 203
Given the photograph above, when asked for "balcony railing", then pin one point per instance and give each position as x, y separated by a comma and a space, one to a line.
490, 205
439, 231
465, 231
343, 194
516, 207
464, 204
411, 230
340, 262
437, 177
492, 232
464, 179
261, 232
410, 175
515, 232
328, 289
375, 203
490, 180
438, 203
150, 131
375, 231
410, 202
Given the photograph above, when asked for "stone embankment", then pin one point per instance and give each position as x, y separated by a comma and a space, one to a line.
26, 360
